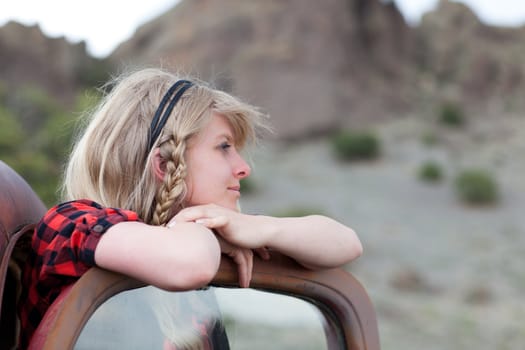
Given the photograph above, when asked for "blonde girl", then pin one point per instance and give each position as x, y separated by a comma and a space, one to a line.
151, 190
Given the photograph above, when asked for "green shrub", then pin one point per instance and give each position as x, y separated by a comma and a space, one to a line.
451, 114
350, 145
33, 106
36, 133
87, 100
476, 186
431, 172
11, 132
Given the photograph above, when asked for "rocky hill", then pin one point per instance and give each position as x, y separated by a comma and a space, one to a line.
470, 61
28, 57
314, 66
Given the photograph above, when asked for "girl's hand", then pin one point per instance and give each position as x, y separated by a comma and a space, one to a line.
243, 257
238, 229
227, 223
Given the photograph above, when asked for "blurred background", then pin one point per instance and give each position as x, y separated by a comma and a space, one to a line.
403, 119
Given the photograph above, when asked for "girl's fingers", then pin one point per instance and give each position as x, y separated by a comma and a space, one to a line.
213, 222
242, 257
249, 259
250, 270
189, 214
263, 253
210, 216
244, 260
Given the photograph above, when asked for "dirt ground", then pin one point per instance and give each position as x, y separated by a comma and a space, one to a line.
441, 274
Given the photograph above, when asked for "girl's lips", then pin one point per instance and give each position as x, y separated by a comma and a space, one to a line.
236, 189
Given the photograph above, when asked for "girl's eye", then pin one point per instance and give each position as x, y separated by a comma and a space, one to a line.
225, 145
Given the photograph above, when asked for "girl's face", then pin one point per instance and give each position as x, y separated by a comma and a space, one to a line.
215, 167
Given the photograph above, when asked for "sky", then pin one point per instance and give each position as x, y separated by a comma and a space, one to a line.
104, 24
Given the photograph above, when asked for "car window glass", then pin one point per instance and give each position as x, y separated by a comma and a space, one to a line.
213, 318
261, 320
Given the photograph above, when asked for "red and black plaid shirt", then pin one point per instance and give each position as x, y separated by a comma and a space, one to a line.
63, 249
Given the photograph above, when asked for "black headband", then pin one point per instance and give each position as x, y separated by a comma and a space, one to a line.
158, 122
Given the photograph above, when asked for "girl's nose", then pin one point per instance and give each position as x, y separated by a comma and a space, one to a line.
242, 169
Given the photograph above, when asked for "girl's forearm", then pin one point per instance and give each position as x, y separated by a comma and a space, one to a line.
314, 241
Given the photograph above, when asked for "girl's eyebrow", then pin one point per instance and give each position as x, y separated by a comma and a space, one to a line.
227, 136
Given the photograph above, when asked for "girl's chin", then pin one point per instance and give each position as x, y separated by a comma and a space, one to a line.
233, 206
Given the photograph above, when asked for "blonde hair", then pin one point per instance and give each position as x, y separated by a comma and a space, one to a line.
182, 315
111, 163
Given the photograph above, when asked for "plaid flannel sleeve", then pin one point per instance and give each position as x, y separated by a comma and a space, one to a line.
66, 238
63, 249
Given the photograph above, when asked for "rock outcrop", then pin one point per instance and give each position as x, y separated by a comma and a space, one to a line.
314, 66
28, 57
469, 60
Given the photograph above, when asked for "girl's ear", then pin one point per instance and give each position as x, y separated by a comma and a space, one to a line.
159, 164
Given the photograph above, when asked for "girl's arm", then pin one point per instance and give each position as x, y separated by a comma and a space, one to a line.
314, 241
185, 256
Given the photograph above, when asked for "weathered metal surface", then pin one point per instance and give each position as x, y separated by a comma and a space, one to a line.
341, 298
19, 207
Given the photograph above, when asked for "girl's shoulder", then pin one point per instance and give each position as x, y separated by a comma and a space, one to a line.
82, 214
79, 207
72, 209
75, 205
